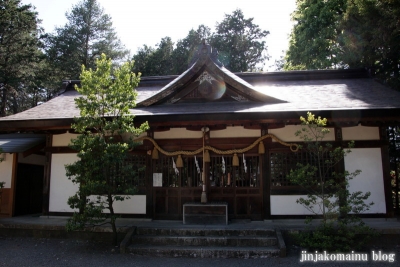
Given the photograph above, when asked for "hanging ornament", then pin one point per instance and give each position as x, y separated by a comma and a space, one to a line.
179, 162
235, 160
244, 164
197, 165
223, 165
174, 166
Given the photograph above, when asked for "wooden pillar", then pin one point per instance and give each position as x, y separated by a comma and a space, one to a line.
47, 174
207, 166
265, 180
11, 204
149, 181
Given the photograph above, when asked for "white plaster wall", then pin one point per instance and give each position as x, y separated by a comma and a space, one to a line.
126, 136
287, 134
6, 169
360, 133
236, 131
286, 205
63, 139
369, 161
32, 159
61, 188
136, 204
177, 133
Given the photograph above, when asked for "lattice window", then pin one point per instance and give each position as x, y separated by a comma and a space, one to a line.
189, 175
138, 165
235, 175
170, 178
132, 172
281, 162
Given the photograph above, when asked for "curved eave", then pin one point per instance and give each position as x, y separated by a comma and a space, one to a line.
243, 87
174, 85
207, 64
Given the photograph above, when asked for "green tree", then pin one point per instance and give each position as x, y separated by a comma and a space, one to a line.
393, 134
347, 34
371, 38
87, 34
101, 171
240, 42
19, 52
314, 39
185, 48
155, 61
327, 184
143, 60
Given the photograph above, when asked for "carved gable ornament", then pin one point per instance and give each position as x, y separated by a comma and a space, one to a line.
207, 80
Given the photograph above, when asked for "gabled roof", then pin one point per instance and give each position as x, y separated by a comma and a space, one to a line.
207, 80
197, 95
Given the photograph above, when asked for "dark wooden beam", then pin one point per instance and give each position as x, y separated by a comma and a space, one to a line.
36, 125
46, 176
59, 149
33, 150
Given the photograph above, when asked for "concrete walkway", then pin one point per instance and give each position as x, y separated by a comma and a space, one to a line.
384, 226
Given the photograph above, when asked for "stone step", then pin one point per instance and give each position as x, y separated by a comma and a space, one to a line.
203, 252
204, 242
229, 241
204, 232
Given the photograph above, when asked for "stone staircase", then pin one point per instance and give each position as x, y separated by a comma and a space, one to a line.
204, 243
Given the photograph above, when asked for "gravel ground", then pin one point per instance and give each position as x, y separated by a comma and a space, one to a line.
68, 252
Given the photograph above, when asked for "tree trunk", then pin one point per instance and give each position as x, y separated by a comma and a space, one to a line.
113, 219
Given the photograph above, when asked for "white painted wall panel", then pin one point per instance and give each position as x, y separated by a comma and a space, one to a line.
287, 134
286, 205
237, 131
6, 169
134, 205
369, 161
178, 133
360, 133
61, 188
63, 139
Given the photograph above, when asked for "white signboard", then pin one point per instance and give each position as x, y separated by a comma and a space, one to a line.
157, 179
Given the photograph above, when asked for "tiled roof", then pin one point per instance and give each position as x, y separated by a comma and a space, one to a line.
300, 95
60, 107
337, 94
